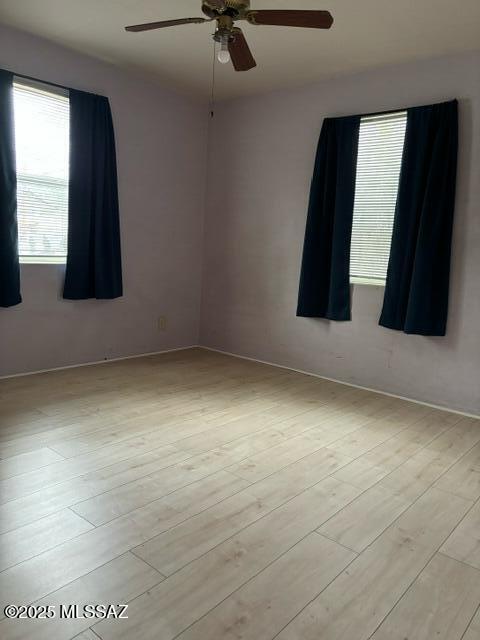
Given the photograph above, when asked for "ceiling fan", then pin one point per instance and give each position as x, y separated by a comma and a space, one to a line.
233, 45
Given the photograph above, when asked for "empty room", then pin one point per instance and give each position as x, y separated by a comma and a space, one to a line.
239, 320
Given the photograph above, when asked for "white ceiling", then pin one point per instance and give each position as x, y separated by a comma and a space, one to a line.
366, 33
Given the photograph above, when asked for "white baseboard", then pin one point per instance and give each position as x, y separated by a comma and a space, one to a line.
104, 361
348, 384
236, 355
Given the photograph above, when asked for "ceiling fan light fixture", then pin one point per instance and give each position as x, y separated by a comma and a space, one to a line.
223, 55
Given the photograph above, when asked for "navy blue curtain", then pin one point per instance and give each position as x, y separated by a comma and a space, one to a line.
94, 268
416, 293
9, 267
325, 276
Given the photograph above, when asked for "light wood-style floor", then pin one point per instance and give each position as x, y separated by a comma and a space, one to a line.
226, 500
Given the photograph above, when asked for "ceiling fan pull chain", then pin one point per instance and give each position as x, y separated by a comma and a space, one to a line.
212, 97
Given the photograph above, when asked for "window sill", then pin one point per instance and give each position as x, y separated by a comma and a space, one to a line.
368, 281
42, 260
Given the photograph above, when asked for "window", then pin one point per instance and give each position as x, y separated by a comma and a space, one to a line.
42, 119
378, 173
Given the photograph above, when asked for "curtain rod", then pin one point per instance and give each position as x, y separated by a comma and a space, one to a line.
47, 82
389, 111
52, 84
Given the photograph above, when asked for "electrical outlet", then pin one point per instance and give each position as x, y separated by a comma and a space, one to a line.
162, 323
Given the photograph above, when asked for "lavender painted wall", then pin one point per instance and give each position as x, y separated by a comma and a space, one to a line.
260, 165
259, 176
161, 142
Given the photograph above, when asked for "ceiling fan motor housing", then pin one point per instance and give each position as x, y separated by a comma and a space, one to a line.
225, 13
234, 8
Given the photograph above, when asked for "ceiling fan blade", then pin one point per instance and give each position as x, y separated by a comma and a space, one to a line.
309, 19
240, 53
166, 23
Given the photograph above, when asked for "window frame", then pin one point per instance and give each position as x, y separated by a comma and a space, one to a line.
50, 89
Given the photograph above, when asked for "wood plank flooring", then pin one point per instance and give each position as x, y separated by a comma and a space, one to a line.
223, 499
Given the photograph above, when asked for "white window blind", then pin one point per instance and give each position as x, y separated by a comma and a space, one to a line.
42, 123
379, 162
